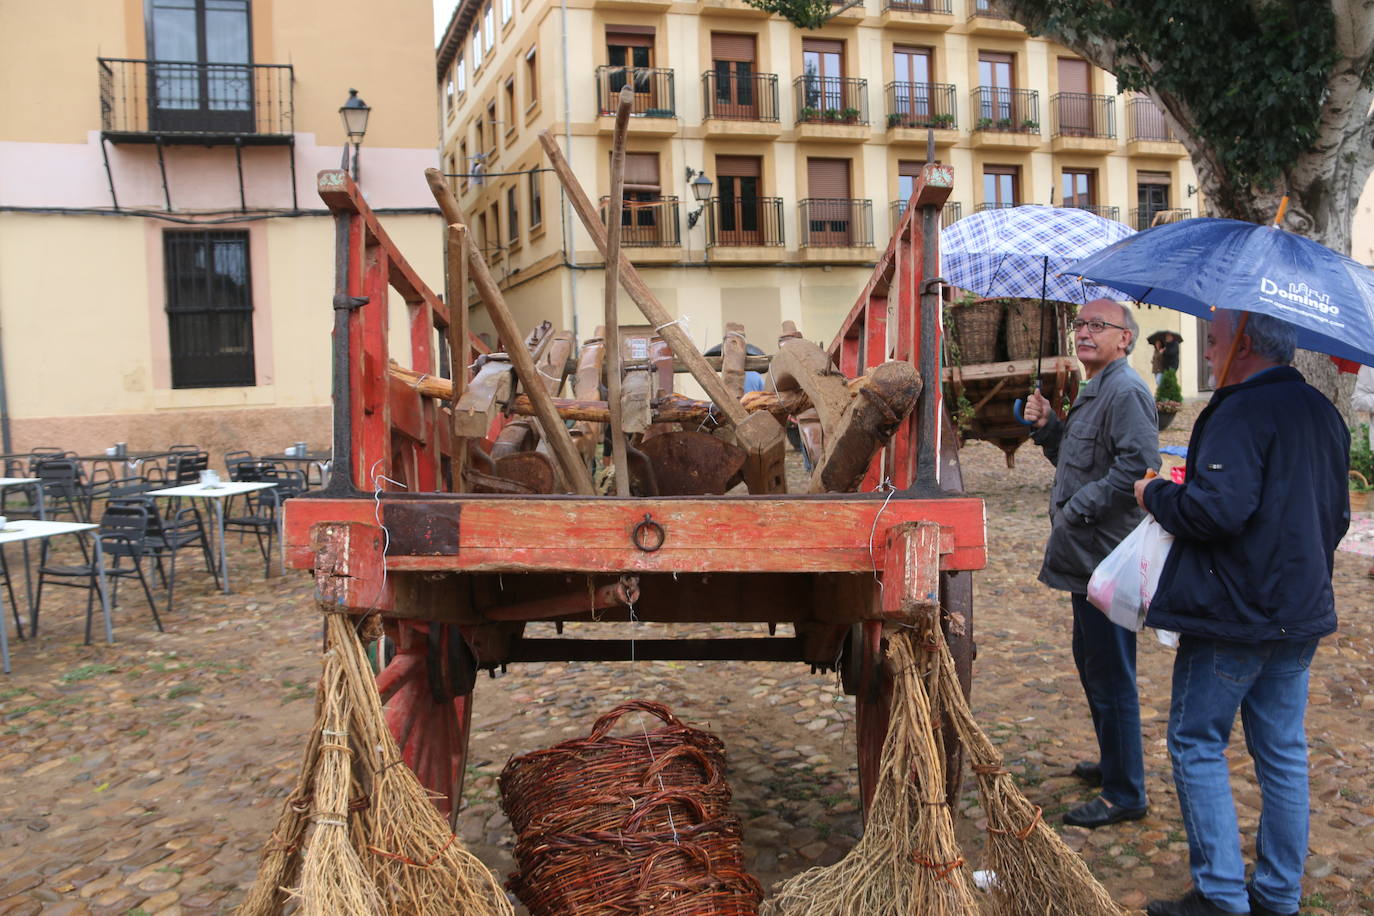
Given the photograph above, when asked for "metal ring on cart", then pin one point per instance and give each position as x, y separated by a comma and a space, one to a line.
637, 536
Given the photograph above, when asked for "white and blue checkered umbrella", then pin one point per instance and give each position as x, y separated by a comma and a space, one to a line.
1019, 252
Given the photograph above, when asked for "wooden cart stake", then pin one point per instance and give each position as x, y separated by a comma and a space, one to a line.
613, 355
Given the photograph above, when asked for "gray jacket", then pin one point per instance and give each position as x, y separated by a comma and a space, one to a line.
1105, 444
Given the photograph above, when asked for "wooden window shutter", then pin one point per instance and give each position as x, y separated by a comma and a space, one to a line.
739, 166
732, 46
1074, 75
828, 178
641, 172
823, 45
632, 36
909, 168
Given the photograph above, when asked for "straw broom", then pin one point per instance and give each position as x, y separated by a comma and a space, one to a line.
413, 857
908, 860
1036, 873
334, 881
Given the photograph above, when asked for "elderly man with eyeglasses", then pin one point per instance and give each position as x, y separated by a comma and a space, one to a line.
1107, 442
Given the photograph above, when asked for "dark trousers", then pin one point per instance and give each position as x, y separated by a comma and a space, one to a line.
1105, 656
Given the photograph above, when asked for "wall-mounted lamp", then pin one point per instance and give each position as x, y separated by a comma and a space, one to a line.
1191, 190
701, 191
354, 113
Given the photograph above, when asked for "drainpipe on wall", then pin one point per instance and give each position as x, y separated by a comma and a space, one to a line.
5, 444
569, 239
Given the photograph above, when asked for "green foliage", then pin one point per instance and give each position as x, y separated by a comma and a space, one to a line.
1361, 458
1251, 75
804, 14
1169, 389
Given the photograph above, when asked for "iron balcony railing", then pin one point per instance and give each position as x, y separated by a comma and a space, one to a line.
744, 222
1009, 110
984, 8
920, 105
1146, 122
739, 97
918, 6
653, 86
647, 223
1146, 217
1081, 114
979, 208
831, 99
828, 222
950, 213
1112, 213
178, 97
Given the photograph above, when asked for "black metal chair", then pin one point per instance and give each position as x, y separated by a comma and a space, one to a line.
123, 534
119, 487
169, 535
9, 589
262, 511
64, 488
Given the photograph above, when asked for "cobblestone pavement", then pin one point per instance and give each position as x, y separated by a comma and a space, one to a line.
144, 777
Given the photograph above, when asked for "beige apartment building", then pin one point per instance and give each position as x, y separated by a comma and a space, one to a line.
166, 265
768, 165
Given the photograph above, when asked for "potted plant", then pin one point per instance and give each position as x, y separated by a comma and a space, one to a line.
849, 115
832, 114
1031, 126
1004, 123
810, 114
942, 121
1361, 470
983, 124
1168, 398
894, 119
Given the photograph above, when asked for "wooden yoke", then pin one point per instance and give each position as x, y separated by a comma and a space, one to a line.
759, 434
554, 431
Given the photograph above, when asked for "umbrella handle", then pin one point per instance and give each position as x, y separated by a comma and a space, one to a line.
1019, 405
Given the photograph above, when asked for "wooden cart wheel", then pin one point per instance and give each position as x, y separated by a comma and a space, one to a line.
430, 724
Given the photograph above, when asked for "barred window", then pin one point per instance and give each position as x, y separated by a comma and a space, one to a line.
209, 308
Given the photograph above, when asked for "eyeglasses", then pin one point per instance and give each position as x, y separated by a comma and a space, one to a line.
1096, 325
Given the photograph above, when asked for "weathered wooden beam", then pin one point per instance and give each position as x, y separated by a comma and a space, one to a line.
577, 474
865, 427
474, 411
615, 394
732, 352
459, 353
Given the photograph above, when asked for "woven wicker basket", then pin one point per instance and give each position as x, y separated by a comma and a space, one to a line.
1025, 323
619, 825
976, 326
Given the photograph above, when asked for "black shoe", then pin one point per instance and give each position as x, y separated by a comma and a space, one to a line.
1259, 909
1099, 813
1089, 772
1190, 904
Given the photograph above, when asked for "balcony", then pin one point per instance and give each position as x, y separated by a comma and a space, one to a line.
647, 223
1147, 133
152, 101
831, 107
984, 20
836, 229
931, 15
843, 12
950, 213
654, 110
1146, 217
1112, 213
913, 107
736, 105
744, 229
979, 208
1005, 118
1082, 122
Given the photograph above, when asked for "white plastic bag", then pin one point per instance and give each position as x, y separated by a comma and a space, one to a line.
1124, 582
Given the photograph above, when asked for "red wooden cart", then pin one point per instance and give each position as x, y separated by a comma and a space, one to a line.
837, 568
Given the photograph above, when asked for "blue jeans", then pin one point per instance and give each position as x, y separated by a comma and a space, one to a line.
1105, 656
1267, 683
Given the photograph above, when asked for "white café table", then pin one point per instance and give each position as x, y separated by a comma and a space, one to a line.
215, 494
25, 530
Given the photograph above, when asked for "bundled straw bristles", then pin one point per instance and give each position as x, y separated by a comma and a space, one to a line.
908, 860
378, 844
1036, 873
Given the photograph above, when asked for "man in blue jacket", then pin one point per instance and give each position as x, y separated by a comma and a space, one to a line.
1108, 440
1248, 586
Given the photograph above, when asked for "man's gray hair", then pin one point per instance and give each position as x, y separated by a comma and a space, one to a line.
1270, 337
1131, 325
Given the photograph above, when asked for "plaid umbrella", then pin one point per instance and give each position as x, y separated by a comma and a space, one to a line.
1020, 251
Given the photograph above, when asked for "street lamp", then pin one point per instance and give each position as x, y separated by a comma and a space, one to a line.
354, 113
701, 190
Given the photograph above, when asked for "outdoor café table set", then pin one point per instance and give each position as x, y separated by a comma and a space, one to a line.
210, 489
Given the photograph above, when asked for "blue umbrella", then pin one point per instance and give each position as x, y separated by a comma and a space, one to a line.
1019, 252
1198, 264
